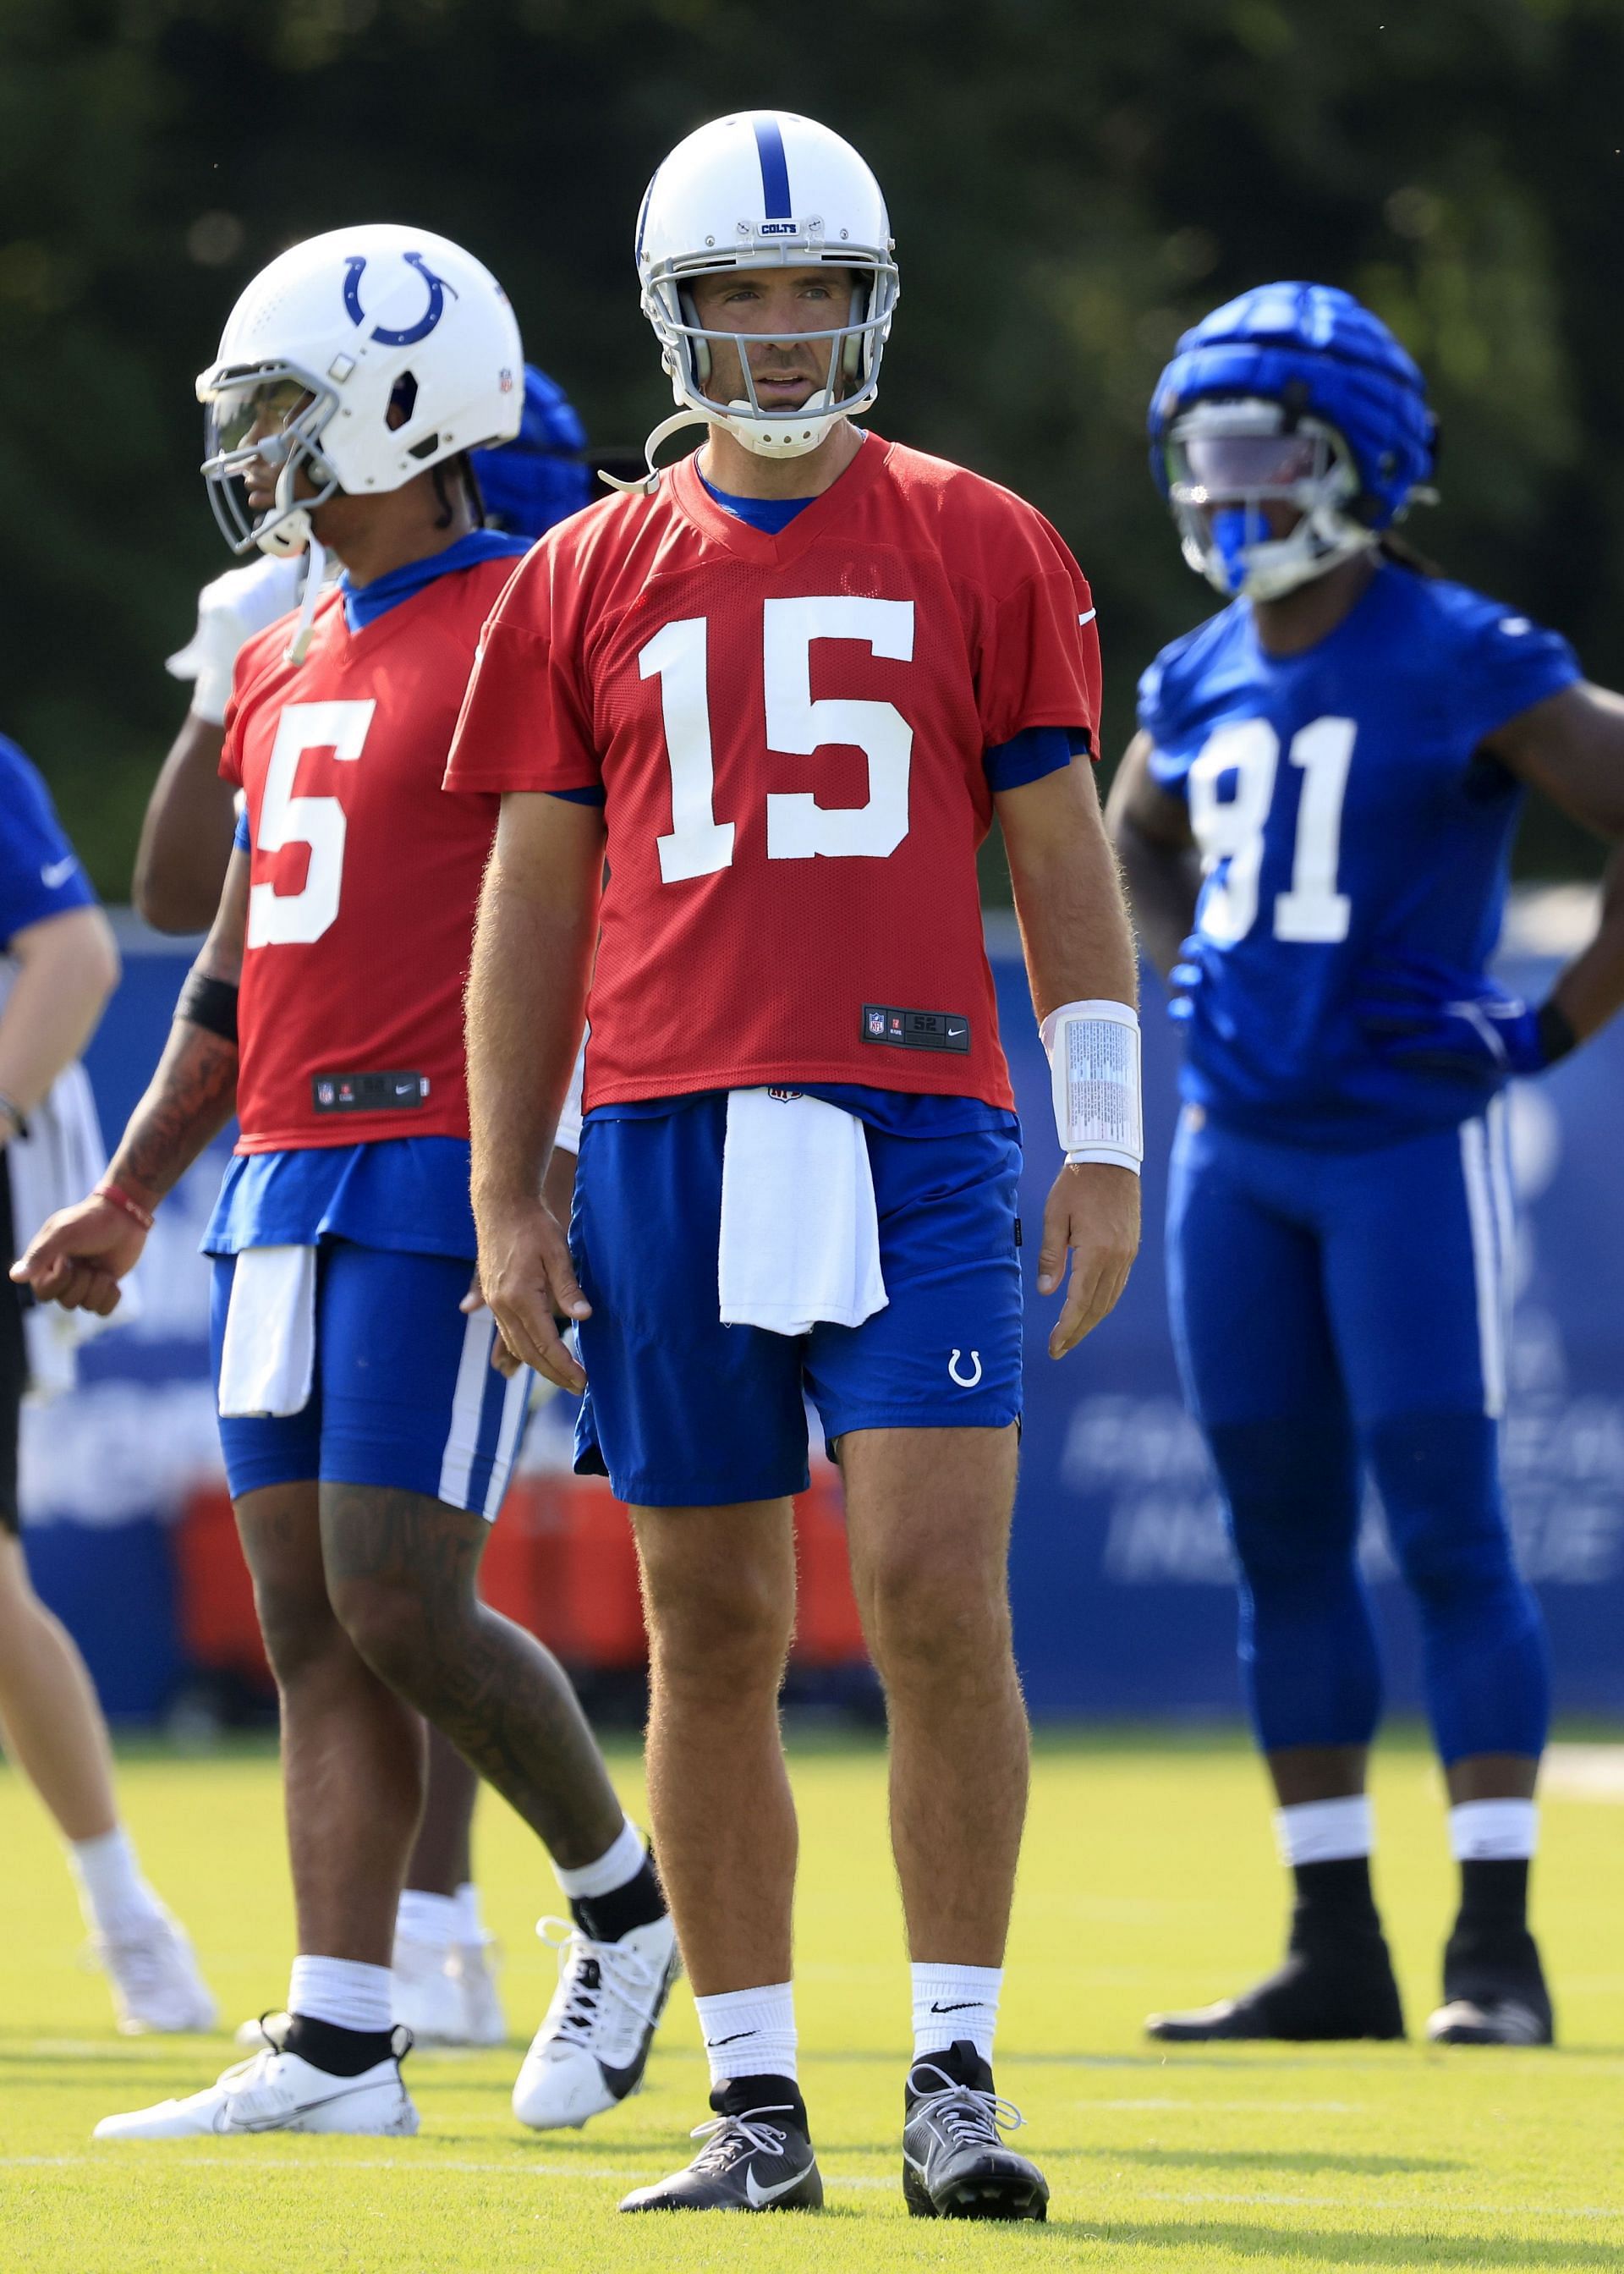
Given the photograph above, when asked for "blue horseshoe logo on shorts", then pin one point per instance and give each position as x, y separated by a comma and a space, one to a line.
382, 333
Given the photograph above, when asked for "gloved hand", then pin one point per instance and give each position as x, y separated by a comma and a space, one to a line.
230, 610
1435, 1018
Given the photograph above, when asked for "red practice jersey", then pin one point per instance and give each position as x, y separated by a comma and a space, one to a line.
364, 877
789, 735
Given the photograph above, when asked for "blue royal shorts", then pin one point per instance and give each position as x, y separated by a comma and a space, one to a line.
404, 1394
681, 1411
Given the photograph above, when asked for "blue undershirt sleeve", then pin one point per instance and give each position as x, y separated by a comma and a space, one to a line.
1032, 753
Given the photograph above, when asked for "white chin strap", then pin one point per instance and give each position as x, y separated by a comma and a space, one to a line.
768, 438
315, 571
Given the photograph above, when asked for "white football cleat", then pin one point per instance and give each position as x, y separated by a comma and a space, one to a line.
426, 1995
156, 1984
277, 2092
263, 2029
483, 2021
593, 2045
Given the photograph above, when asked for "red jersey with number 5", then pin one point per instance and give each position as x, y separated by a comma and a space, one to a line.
365, 875
789, 734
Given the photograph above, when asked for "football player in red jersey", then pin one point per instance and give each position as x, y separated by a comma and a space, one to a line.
367, 1441
445, 1989
785, 687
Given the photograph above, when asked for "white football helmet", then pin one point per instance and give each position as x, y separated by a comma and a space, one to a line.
765, 188
334, 332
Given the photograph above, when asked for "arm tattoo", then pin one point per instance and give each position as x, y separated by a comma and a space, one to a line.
188, 1101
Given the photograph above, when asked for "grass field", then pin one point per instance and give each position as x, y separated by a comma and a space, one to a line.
1149, 1881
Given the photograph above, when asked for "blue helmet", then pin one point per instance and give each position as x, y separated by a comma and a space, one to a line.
1321, 366
541, 476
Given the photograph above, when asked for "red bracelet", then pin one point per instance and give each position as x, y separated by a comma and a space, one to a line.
121, 1199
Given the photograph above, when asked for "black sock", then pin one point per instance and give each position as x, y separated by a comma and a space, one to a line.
341, 2053
742, 2095
959, 2062
1493, 1898
605, 1918
1335, 1897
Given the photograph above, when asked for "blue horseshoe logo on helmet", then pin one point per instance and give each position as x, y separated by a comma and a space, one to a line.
384, 334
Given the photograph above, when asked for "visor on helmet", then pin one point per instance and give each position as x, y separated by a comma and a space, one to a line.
1261, 497
271, 416
1215, 468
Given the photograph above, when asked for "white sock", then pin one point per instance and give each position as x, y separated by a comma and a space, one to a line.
1493, 1831
951, 2002
614, 1868
342, 1991
1325, 1831
422, 1917
749, 2032
112, 1893
471, 1928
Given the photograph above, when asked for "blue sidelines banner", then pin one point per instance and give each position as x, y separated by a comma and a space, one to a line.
1124, 1590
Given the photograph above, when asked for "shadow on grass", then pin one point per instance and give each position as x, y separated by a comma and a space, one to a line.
1266, 2159
1221, 2239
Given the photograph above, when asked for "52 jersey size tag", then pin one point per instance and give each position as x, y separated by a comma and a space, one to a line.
915, 1030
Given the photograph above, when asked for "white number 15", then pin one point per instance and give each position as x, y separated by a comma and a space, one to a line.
798, 827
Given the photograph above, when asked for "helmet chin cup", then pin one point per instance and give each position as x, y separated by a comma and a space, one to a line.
781, 437
289, 530
1269, 569
287, 536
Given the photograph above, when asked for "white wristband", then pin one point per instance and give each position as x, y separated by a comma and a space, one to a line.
1094, 1057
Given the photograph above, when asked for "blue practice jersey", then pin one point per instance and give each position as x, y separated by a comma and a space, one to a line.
40, 874
1345, 812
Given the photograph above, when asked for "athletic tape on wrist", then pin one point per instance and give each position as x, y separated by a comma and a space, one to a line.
1094, 1057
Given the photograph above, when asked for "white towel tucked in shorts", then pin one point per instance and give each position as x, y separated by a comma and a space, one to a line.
800, 1237
268, 1356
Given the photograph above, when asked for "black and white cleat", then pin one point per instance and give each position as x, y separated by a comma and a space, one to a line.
758, 2156
955, 2164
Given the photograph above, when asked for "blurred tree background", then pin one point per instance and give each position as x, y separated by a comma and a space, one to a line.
1071, 183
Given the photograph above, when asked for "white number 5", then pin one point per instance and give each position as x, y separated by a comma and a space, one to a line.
294, 919
798, 827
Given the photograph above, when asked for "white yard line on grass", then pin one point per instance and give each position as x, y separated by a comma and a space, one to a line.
1437, 2210
1229, 2107
405, 2165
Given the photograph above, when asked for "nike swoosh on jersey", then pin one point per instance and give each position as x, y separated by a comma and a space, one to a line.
759, 2195
57, 872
